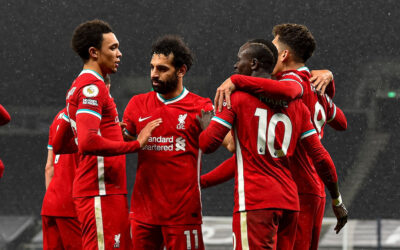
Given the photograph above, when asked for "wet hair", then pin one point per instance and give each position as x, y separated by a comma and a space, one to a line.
265, 52
298, 38
174, 44
89, 34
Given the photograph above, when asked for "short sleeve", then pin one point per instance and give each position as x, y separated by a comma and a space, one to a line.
91, 99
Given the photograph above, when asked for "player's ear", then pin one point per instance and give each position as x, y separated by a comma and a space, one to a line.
284, 55
254, 63
93, 52
182, 71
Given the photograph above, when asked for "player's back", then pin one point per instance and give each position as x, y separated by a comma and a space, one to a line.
266, 134
96, 175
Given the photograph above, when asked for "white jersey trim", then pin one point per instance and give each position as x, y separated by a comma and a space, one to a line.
243, 231
100, 173
334, 114
308, 133
304, 68
88, 111
240, 176
222, 122
92, 72
182, 95
99, 222
198, 179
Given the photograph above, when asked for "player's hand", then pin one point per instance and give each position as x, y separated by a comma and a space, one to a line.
224, 94
340, 212
147, 130
320, 79
205, 118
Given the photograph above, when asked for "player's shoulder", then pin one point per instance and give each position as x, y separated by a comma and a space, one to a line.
294, 75
198, 98
90, 82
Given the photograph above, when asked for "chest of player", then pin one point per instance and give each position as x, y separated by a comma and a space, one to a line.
178, 132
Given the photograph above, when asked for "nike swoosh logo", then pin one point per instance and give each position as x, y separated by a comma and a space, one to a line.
142, 119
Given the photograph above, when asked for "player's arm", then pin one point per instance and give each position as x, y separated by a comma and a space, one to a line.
335, 116
224, 172
4, 116
63, 141
327, 172
90, 142
285, 89
322, 80
49, 169
1, 168
213, 136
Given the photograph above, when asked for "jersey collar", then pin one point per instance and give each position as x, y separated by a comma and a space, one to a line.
304, 68
182, 95
89, 71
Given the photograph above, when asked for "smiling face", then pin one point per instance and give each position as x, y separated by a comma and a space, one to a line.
109, 55
164, 76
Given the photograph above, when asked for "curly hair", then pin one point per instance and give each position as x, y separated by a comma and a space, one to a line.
298, 38
174, 44
89, 34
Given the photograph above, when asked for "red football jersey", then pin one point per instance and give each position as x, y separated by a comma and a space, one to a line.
166, 190
58, 198
266, 136
322, 110
96, 174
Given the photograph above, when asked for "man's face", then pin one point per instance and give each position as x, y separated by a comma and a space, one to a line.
109, 56
164, 76
243, 63
280, 49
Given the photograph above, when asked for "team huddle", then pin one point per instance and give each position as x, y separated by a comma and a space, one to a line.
272, 127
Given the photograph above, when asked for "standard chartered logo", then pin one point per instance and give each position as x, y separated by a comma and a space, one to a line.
180, 144
161, 143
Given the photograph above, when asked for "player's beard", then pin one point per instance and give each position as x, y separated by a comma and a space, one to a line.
167, 86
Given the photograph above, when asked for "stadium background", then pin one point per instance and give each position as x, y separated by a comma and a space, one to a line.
358, 40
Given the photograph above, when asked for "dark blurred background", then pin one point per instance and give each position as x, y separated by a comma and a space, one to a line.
357, 40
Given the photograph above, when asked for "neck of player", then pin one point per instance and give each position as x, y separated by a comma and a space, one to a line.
92, 65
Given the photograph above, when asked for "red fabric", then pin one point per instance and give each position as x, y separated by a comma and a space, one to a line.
63, 140
310, 222
282, 90
167, 188
111, 211
61, 233
94, 120
264, 229
263, 178
145, 236
58, 198
330, 89
4, 116
339, 122
1, 168
224, 172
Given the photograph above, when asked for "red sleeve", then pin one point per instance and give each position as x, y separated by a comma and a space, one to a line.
1, 168
212, 137
224, 172
330, 89
281, 90
4, 116
335, 116
89, 142
322, 160
63, 141
129, 117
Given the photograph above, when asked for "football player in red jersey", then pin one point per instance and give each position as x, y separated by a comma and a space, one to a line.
4, 119
266, 135
295, 45
99, 187
165, 204
61, 228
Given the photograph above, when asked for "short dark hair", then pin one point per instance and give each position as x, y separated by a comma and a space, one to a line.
298, 37
265, 52
89, 34
174, 44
